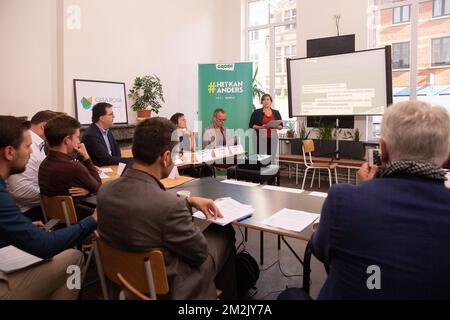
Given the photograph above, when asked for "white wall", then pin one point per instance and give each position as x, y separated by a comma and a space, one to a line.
27, 71
117, 41
315, 20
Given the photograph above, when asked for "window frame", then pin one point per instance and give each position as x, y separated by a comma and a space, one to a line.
401, 14
409, 55
441, 40
442, 13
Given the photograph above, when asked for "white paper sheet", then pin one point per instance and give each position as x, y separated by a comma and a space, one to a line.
240, 183
319, 194
104, 176
120, 168
106, 170
12, 259
174, 173
282, 189
231, 210
289, 219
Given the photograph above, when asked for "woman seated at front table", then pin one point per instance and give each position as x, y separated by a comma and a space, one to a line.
265, 133
185, 136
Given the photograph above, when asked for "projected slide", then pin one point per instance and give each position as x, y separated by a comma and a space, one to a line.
347, 84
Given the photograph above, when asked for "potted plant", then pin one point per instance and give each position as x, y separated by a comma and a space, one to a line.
147, 94
290, 125
257, 91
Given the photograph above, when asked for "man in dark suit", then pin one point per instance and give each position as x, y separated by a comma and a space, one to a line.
388, 236
152, 217
98, 139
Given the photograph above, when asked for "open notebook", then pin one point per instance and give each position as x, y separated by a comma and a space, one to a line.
231, 210
13, 259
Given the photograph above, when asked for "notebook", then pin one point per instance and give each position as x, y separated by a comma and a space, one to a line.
231, 210
13, 259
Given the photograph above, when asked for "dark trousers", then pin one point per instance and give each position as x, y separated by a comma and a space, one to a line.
35, 214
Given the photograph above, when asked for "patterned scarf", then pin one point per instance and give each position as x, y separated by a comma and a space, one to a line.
421, 168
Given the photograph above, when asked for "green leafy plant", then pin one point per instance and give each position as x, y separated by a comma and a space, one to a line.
257, 87
147, 93
290, 125
303, 133
325, 131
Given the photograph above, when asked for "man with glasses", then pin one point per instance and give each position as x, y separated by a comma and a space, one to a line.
98, 139
216, 134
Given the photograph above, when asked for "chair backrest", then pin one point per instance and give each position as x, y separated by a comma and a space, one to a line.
308, 148
59, 207
134, 266
131, 293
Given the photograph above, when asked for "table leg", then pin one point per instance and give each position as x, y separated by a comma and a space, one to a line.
261, 248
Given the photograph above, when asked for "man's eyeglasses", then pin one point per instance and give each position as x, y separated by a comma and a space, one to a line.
109, 114
221, 120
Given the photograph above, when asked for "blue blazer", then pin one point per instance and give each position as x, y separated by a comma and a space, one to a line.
97, 149
401, 225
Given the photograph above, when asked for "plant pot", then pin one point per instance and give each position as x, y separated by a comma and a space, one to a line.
144, 113
290, 134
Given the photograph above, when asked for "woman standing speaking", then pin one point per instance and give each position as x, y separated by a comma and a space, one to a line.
267, 138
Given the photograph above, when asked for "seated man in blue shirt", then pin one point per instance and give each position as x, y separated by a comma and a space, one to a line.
49, 279
98, 139
388, 237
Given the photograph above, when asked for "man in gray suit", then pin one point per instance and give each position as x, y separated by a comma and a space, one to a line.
137, 214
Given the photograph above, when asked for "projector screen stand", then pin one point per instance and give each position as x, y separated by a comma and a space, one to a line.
337, 139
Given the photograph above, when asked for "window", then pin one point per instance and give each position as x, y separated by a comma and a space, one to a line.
276, 22
400, 55
441, 8
287, 51
440, 54
400, 14
278, 52
254, 35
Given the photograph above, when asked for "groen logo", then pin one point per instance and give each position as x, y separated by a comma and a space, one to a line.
212, 87
225, 67
86, 103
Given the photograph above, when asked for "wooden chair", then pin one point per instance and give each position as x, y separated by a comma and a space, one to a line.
144, 272
129, 292
307, 149
62, 208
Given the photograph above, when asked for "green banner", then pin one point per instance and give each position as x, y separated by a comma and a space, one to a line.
227, 86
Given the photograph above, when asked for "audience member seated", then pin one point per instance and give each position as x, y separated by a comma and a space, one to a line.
216, 134
24, 187
388, 236
98, 139
196, 261
47, 280
185, 136
61, 173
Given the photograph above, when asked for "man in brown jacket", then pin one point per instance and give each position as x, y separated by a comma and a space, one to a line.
61, 173
137, 214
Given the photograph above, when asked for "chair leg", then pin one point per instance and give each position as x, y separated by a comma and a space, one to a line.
86, 267
289, 171
100, 272
304, 178
329, 177
319, 178
312, 180
335, 175
296, 174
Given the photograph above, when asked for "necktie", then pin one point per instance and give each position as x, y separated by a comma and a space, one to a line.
43, 146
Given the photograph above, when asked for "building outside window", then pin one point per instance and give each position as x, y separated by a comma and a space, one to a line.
440, 55
401, 14
276, 22
400, 55
441, 8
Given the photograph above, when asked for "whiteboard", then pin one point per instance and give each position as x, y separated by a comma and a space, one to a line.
90, 92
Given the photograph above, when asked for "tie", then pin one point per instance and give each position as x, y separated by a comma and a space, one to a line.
224, 141
43, 146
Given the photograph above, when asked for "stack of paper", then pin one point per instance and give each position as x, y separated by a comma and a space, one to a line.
293, 220
12, 259
319, 194
231, 210
240, 183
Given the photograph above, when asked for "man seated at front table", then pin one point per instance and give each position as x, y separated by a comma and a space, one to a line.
138, 214
61, 173
24, 187
216, 134
98, 139
388, 237
46, 280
